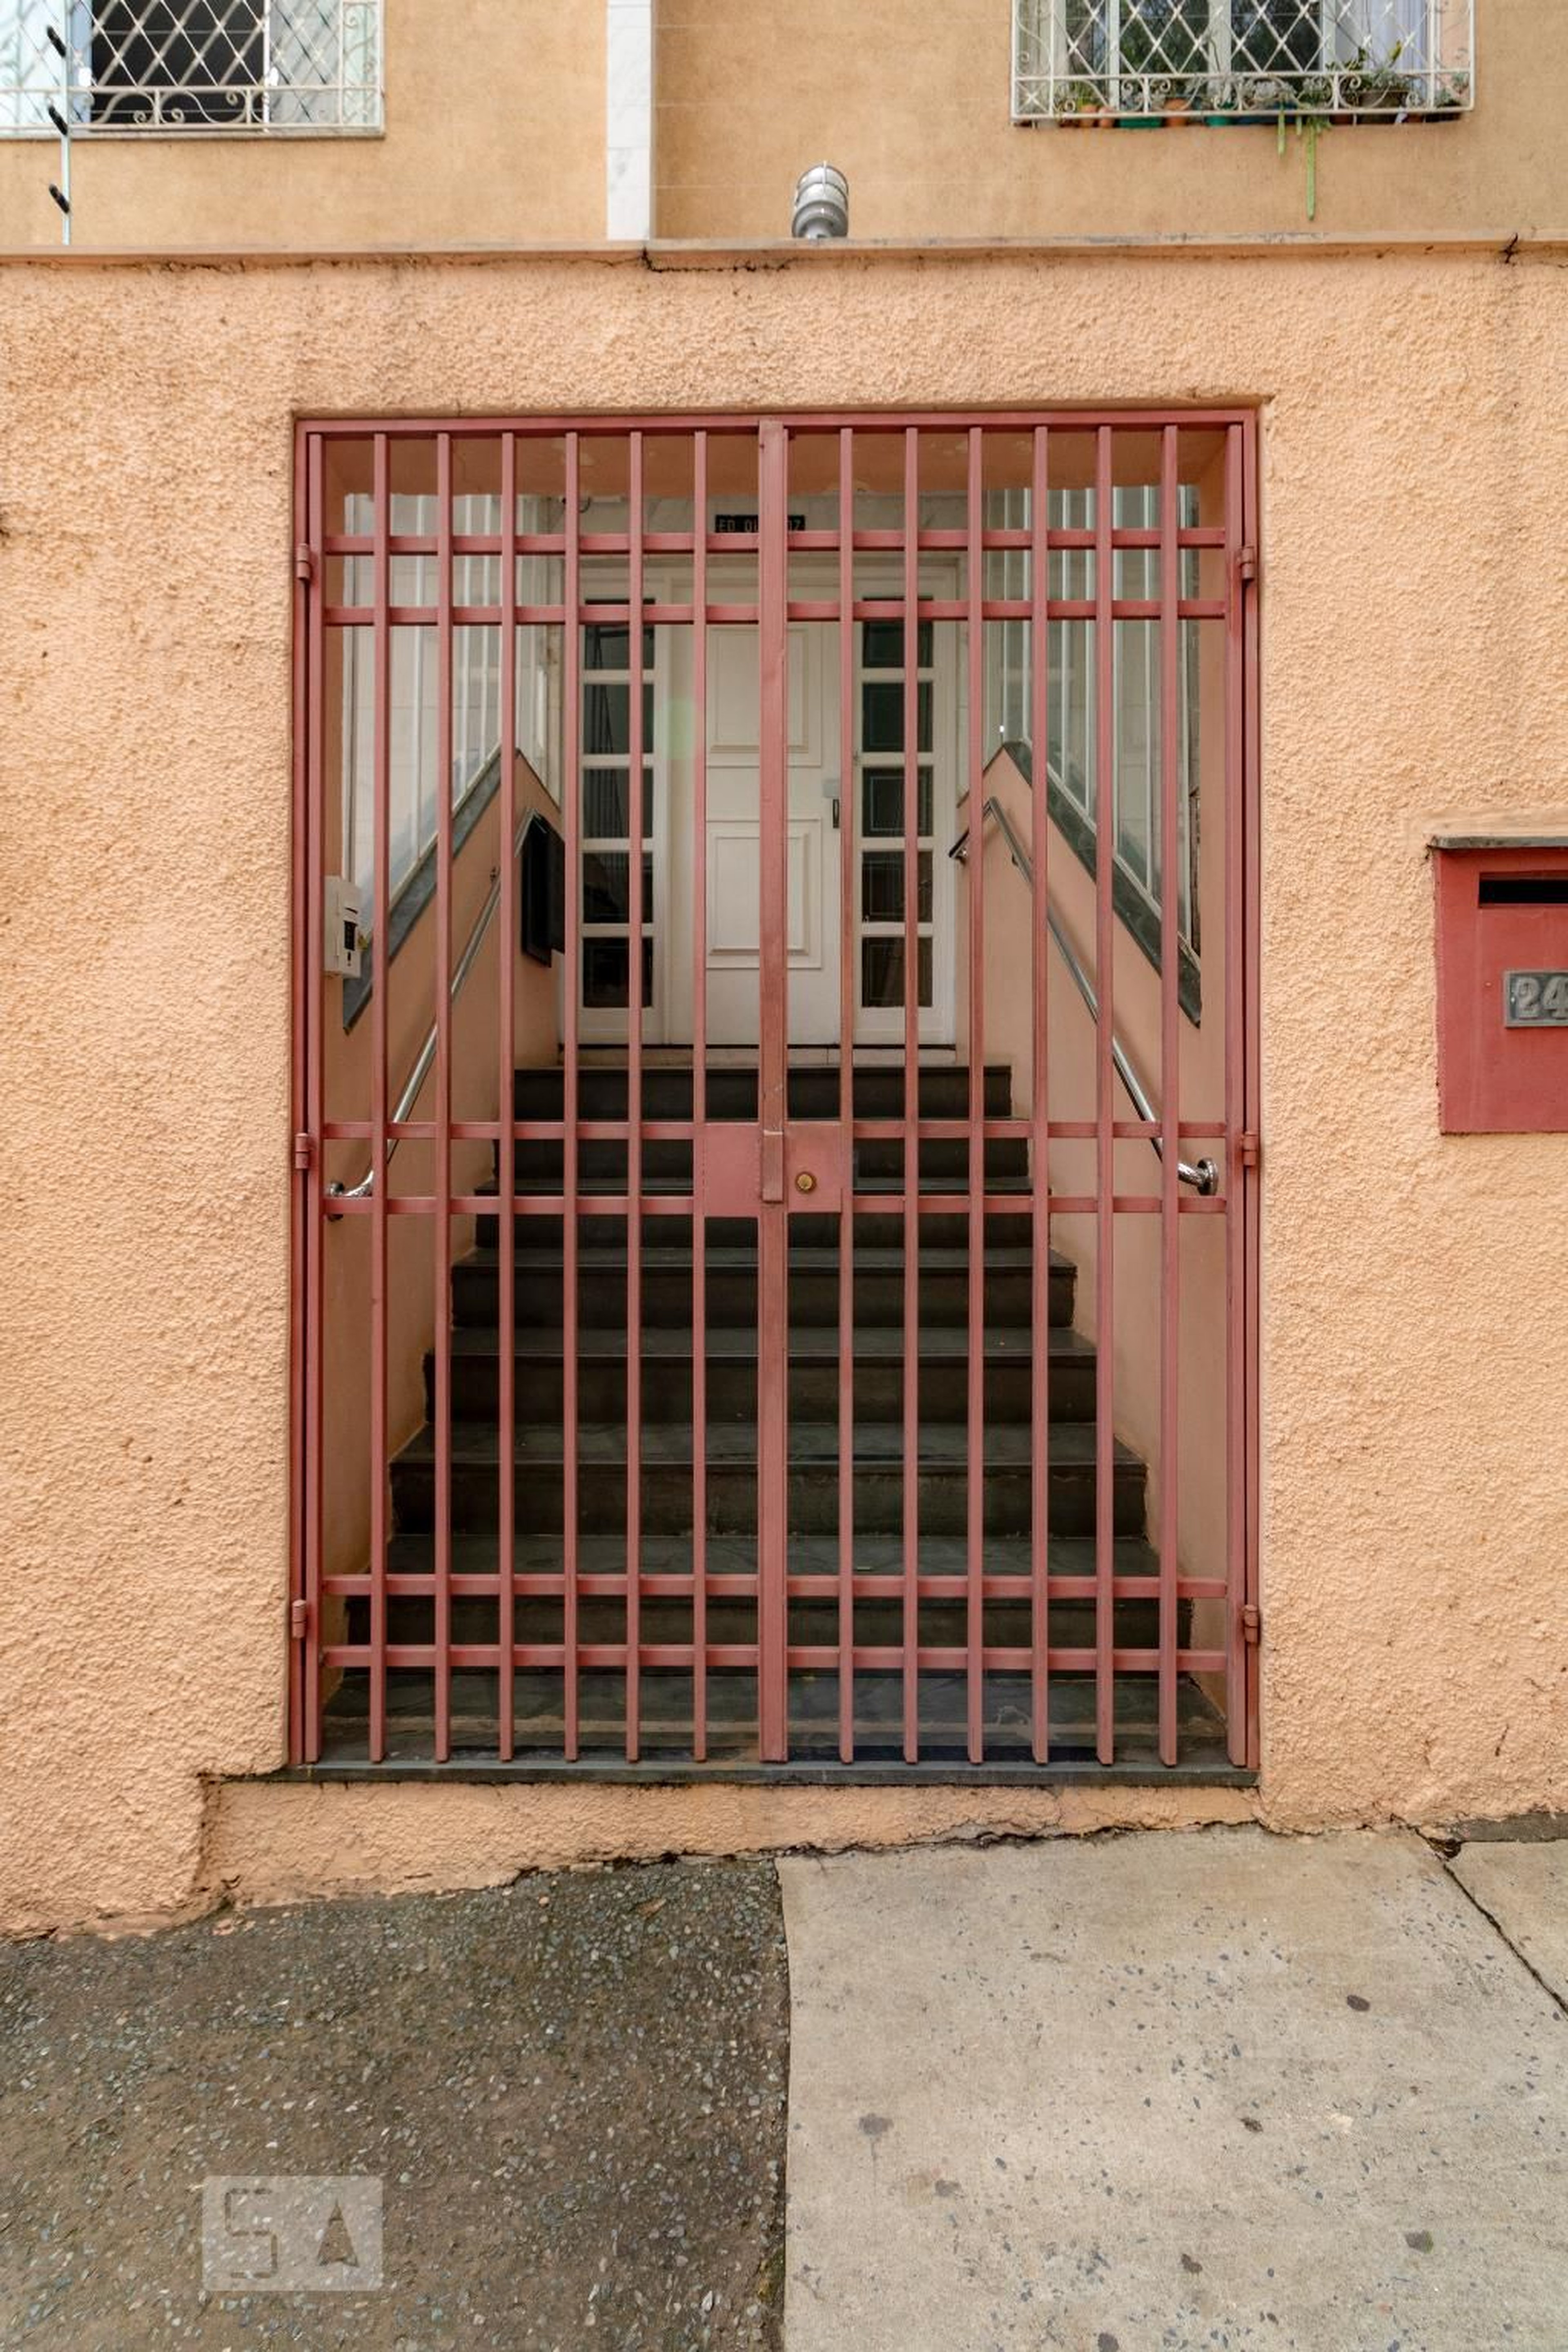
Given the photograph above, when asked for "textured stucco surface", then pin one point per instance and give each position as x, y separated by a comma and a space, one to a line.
494, 134
912, 103
1415, 439
274, 1843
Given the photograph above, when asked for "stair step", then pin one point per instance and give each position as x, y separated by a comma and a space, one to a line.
943, 1161
873, 1228
813, 1618
667, 1482
731, 1091
664, 1717
730, 1355
413, 1554
732, 1284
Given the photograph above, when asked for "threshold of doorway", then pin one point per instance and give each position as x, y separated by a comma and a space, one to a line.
1204, 1772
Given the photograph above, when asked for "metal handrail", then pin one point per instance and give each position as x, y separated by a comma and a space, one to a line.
1204, 1176
426, 1053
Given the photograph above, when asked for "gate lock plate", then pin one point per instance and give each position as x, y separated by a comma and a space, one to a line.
805, 1166
816, 1166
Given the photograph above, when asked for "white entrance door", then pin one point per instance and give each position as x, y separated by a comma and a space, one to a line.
733, 870
820, 800
733, 845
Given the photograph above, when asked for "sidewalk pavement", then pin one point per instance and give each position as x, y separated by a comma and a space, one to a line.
1196, 2093
1218, 2089
568, 2093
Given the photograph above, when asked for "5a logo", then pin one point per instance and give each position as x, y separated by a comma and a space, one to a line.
300, 2234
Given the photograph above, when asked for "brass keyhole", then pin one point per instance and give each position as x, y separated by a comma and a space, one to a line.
805, 1182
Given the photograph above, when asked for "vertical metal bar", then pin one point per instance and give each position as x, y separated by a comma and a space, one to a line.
67, 49
911, 1302
1105, 1103
773, 1076
848, 820
975, 870
1170, 1078
315, 1232
1253, 1075
300, 1190
1235, 1665
381, 991
442, 1325
571, 996
699, 1095
506, 1084
634, 780
1040, 1108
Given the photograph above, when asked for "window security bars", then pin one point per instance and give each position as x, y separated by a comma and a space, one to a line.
191, 65
1234, 59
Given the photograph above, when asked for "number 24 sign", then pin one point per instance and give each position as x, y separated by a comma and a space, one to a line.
1536, 1000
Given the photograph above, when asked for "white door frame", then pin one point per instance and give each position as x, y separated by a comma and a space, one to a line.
879, 1027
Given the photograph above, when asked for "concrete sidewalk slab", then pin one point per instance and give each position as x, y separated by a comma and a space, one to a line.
1208, 2090
1525, 1889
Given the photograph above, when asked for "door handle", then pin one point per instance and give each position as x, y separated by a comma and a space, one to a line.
831, 794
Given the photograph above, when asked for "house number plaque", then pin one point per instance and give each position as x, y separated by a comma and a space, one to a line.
1536, 1000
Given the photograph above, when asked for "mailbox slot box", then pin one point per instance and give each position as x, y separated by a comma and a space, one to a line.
1503, 987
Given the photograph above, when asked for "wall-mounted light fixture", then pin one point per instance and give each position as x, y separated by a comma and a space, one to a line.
821, 204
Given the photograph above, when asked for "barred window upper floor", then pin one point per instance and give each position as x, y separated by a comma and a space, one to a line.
1241, 60
199, 66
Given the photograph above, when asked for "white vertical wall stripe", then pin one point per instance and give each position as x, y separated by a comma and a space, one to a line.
628, 120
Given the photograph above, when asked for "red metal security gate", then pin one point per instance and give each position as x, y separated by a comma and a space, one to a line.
743, 1415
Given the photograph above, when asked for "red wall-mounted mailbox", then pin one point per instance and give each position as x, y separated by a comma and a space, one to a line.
1503, 987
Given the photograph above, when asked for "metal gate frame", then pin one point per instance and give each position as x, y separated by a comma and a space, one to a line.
765, 1165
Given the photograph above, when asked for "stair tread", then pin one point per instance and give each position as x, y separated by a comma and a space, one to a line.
591, 1187
411, 1552
737, 1343
729, 1074
665, 1718
600, 1258
943, 1445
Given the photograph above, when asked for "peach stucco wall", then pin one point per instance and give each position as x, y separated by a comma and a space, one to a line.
495, 119
911, 101
1414, 447
494, 135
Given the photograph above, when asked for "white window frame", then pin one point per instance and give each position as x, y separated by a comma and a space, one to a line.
1375, 59
283, 102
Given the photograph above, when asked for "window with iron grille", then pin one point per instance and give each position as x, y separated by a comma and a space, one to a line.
191, 65
1229, 60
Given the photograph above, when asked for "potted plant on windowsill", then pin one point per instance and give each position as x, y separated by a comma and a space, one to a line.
1183, 100
1368, 89
1083, 104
